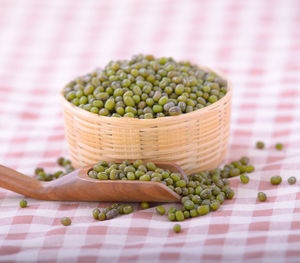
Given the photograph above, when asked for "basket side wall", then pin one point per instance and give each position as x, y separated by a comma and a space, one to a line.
195, 141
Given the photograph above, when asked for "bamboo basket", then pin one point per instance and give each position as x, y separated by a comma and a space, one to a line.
195, 141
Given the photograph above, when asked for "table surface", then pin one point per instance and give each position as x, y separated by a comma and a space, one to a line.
44, 44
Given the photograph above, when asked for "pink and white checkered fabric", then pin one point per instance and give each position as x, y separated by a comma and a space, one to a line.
44, 44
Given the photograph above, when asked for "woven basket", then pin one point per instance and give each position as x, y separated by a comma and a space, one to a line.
195, 141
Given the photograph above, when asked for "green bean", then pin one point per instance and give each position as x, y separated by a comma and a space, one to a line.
275, 180
244, 178
145, 205
260, 145
160, 210
261, 197
292, 180
177, 228
279, 146
66, 221
23, 203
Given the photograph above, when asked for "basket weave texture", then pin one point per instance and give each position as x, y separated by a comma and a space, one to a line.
195, 141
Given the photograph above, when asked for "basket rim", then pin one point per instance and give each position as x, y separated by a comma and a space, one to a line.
92, 115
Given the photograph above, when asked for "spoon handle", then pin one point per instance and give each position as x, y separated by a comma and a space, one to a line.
18, 182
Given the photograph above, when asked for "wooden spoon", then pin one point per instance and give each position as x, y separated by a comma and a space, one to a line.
78, 186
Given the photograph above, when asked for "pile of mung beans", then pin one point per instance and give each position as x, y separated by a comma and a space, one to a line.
112, 211
201, 193
41, 175
146, 87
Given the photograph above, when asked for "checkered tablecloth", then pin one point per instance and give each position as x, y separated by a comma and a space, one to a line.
44, 44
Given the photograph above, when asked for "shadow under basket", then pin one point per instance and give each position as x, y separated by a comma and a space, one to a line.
195, 141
